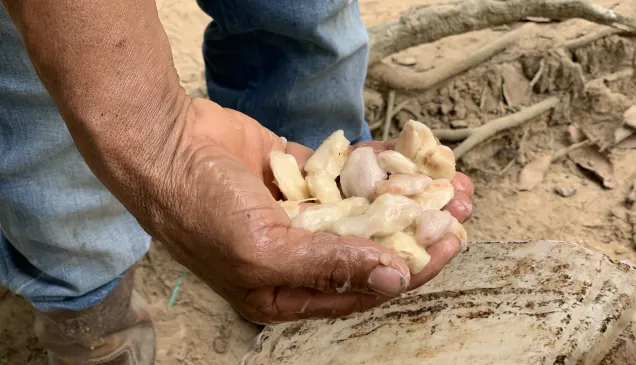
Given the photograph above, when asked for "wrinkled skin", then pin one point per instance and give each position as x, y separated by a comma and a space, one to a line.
224, 223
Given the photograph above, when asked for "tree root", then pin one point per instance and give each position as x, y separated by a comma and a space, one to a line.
629, 72
630, 201
510, 121
537, 76
478, 135
389, 115
428, 23
591, 37
401, 106
452, 135
399, 78
558, 155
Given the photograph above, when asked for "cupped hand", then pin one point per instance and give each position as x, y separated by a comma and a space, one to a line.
221, 220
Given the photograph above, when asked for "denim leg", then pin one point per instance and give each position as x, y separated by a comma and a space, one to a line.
66, 241
298, 67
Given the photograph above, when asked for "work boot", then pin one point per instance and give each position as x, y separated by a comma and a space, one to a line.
117, 331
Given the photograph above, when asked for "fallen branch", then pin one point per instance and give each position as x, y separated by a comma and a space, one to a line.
493, 127
400, 78
428, 23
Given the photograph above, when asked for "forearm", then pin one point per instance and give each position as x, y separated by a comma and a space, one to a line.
108, 67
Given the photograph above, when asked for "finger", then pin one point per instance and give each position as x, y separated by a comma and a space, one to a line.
377, 146
300, 153
330, 263
390, 144
463, 184
304, 206
460, 207
272, 305
442, 253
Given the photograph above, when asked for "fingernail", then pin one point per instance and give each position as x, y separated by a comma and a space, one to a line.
460, 248
468, 205
387, 281
462, 245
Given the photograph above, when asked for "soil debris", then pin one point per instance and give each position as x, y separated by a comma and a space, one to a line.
596, 162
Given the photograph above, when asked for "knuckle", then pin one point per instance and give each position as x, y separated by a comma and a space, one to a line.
336, 271
258, 308
257, 317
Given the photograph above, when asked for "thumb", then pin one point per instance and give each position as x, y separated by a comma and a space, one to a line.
330, 263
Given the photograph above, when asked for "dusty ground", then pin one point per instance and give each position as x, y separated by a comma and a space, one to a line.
201, 329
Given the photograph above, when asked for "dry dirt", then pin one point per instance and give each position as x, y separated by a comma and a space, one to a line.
202, 329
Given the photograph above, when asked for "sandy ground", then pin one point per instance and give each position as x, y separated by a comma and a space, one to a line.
202, 329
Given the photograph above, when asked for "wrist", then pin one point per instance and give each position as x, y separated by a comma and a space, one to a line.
137, 160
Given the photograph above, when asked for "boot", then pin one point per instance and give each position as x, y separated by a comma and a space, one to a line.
117, 331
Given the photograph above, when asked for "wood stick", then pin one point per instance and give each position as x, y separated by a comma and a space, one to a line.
400, 78
491, 128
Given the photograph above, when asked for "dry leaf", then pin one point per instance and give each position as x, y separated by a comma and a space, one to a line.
594, 161
516, 87
620, 213
621, 133
490, 95
576, 134
630, 199
532, 173
629, 117
627, 126
628, 143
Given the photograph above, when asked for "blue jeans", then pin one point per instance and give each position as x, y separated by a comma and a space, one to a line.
297, 67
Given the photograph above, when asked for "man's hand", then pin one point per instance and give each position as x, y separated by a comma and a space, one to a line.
197, 176
223, 222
